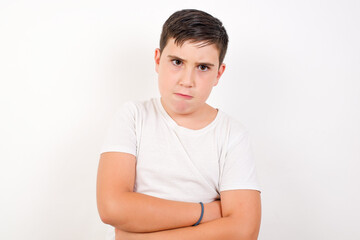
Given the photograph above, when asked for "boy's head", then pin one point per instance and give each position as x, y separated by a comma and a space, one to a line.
195, 26
189, 63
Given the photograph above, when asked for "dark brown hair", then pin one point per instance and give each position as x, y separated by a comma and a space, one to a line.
195, 26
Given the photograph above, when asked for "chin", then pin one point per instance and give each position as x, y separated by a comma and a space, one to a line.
181, 107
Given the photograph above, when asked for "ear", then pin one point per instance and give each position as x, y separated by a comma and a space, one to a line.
157, 59
220, 72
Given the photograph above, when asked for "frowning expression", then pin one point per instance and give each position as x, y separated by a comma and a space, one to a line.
186, 75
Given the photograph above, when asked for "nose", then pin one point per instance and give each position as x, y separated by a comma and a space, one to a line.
187, 78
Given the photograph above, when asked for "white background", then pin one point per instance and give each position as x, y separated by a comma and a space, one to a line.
292, 78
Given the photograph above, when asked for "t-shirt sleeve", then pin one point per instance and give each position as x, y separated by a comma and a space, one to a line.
239, 167
121, 135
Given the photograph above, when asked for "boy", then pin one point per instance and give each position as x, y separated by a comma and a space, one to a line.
163, 157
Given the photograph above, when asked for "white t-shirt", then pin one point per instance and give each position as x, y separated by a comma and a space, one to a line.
181, 164
177, 163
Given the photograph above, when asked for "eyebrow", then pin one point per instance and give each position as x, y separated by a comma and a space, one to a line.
183, 60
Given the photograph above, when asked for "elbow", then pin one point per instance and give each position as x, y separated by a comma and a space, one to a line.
105, 213
247, 235
244, 230
105, 216
109, 214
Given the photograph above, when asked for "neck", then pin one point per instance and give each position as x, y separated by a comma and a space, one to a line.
194, 120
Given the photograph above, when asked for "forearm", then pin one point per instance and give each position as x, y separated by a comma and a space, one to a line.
136, 212
224, 228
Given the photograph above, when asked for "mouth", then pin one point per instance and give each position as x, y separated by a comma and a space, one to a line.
183, 96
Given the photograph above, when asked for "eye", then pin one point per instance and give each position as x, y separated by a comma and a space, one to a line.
203, 68
176, 62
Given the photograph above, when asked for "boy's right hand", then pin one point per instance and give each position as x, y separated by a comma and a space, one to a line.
212, 211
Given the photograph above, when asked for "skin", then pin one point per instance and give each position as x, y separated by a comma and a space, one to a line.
192, 70
241, 221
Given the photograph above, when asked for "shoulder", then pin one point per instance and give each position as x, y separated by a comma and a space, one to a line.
233, 128
136, 107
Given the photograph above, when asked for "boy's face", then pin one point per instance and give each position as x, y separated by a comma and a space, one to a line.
187, 75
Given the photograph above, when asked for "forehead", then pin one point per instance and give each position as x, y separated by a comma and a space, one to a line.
196, 51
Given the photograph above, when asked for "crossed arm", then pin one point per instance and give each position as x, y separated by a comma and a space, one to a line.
142, 217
